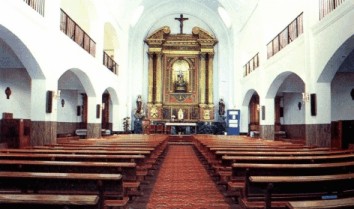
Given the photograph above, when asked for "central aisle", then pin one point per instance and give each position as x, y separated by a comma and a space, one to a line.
183, 183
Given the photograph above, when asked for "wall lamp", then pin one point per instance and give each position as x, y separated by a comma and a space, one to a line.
8, 92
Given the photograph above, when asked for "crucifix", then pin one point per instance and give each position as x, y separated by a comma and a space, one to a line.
181, 19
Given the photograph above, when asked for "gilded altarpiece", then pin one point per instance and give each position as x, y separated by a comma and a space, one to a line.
180, 76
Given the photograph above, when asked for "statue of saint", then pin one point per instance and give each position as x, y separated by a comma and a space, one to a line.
139, 103
221, 107
139, 113
180, 84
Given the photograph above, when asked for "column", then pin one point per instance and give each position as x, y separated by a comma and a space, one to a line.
150, 78
159, 78
210, 78
202, 78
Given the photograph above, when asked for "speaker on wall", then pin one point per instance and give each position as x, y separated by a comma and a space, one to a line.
78, 110
98, 110
281, 112
49, 102
313, 104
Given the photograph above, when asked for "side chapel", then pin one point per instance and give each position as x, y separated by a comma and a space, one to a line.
180, 75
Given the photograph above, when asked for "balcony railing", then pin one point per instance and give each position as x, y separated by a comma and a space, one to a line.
110, 63
74, 31
251, 65
288, 35
37, 5
327, 6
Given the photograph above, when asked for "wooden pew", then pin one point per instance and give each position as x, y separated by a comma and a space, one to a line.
224, 159
228, 160
112, 148
127, 165
241, 171
127, 169
342, 203
138, 159
103, 185
275, 191
76, 151
48, 201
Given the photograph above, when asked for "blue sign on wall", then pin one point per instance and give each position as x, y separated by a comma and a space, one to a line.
233, 122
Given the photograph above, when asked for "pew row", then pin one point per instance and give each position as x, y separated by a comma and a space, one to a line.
275, 191
48, 201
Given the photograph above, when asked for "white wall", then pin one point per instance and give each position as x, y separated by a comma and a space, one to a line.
292, 114
68, 112
342, 103
20, 99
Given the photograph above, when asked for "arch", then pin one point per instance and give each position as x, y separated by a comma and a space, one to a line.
248, 96
114, 96
21, 53
278, 81
336, 60
223, 68
80, 76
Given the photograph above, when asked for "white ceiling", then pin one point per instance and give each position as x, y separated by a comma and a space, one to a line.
238, 10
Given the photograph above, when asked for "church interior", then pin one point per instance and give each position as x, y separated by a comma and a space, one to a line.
176, 104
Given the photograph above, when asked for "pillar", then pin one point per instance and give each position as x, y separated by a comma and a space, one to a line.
210, 78
202, 75
159, 78
150, 77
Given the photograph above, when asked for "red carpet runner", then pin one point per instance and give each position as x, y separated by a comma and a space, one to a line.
183, 183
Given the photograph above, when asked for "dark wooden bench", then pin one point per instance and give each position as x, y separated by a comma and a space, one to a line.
241, 171
78, 151
228, 160
138, 159
127, 169
112, 147
223, 167
275, 191
342, 203
109, 204
48, 201
103, 185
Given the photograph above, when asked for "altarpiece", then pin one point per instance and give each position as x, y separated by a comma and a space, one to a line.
180, 75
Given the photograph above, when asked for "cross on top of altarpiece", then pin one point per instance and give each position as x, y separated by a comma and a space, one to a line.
181, 19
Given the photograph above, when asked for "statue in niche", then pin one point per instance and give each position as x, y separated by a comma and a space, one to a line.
180, 84
180, 76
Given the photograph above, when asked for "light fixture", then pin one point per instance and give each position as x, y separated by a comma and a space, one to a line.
8, 92
62, 102
56, 94
299, 105
305, 97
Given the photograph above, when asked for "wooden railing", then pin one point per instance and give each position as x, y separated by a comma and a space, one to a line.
251, 65
74, 31
327, 6
289, 34
110, 63
37, 5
